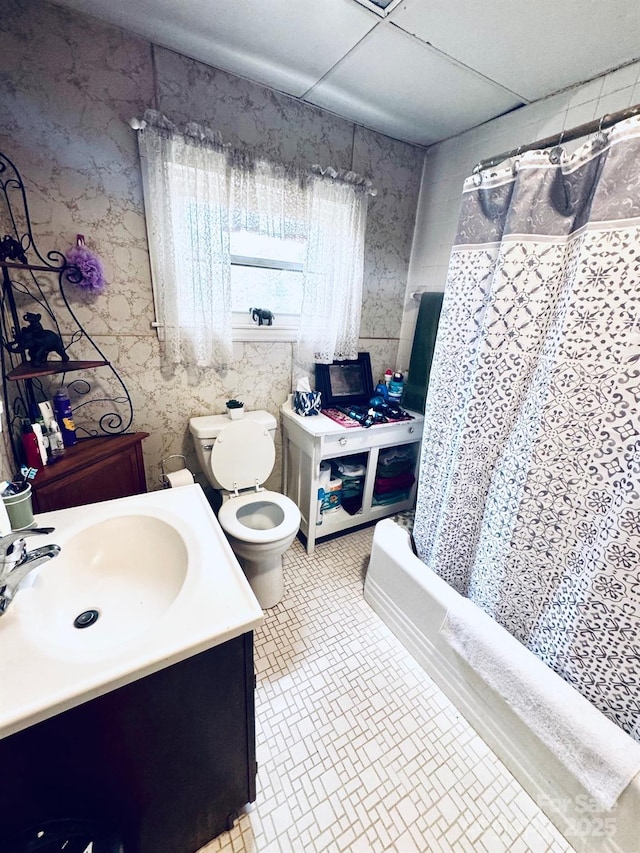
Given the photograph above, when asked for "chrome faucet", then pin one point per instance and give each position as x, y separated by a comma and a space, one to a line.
16, 562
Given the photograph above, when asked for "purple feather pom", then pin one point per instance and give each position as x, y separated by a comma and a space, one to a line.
90, 267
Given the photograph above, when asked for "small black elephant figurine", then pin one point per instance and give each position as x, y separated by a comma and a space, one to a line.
262, 316
11, 250
38, 341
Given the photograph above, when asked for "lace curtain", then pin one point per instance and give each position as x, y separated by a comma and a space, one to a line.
186, 204
197, 192
265, 199
332, 300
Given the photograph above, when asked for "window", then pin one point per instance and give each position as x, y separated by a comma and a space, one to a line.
228, 233
266, 273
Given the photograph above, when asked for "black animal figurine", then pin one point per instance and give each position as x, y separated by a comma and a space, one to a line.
11, 250
262, 316
38, 341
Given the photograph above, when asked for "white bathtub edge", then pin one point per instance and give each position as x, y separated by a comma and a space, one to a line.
412, 602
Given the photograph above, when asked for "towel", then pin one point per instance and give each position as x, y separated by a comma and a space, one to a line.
392, 469
602, 757
424, 341
402, 453
349, 469
384, 485
391, 497
352, 487
352, 504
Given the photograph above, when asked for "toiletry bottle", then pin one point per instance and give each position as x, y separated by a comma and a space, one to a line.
64, 416
321, 495
382, 390
43, 442
46, 413
30, 445
396, 388
56, 445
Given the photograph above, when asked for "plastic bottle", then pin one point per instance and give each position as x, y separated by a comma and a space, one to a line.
321, 495
46, 413
56, 445
382, 390
64, 417
396, 387
30, 445
38, 426
43, 442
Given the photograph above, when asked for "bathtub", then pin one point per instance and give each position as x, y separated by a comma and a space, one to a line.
413, 601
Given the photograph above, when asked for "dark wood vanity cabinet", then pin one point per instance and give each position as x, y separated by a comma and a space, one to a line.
94, 469
168, 759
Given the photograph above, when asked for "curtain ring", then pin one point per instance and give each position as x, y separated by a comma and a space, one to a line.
516, 162
477, 175
601, 138
555, 155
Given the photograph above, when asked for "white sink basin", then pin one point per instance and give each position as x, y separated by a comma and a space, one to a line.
162, 580
123, 573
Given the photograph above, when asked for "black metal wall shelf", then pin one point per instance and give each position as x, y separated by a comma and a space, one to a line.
35, 284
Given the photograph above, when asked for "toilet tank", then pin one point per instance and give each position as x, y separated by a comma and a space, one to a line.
206, 428
209, 426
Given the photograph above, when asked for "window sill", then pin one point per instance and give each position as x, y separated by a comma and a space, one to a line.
264, 334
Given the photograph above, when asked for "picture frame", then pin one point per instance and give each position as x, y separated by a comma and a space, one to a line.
345, 383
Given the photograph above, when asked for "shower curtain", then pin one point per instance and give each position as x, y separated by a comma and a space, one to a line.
528, 498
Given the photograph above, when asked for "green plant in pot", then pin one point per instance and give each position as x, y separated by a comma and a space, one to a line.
235, 409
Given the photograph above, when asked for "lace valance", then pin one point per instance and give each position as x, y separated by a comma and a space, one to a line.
245, 160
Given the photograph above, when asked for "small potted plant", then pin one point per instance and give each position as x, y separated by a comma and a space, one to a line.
235, 409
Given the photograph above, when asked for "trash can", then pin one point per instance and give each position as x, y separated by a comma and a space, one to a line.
66, 835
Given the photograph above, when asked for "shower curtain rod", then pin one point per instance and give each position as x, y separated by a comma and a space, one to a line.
564, 136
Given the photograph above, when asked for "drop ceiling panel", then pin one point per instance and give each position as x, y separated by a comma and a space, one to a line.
396, 84
285, 44
430, 69
533, 49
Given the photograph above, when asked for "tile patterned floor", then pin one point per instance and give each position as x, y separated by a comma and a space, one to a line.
358, 750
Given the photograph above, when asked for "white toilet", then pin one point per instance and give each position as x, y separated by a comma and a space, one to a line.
237, 457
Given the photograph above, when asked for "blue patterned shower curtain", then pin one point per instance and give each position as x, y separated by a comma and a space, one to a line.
529, 491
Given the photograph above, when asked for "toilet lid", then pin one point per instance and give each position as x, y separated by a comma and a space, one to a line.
243, 454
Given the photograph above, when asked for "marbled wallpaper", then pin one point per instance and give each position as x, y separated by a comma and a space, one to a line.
68, 86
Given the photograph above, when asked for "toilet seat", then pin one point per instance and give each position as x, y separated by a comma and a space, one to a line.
234, 526
243, 456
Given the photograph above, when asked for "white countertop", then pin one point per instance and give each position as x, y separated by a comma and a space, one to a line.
39, 679
320, 424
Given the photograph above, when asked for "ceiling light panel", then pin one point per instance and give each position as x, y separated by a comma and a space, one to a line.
380, 7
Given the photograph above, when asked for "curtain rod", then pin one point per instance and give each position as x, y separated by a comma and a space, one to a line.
564, 136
